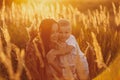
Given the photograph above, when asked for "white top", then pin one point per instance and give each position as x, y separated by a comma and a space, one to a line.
73, 42
70, 57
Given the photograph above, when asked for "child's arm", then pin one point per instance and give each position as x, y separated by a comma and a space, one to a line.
67, 46
64, 48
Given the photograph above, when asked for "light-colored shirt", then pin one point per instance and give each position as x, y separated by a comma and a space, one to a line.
70, 58
76, 50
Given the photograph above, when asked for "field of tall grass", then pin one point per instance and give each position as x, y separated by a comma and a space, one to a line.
97, 32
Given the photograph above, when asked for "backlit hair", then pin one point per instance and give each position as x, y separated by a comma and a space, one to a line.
64, 22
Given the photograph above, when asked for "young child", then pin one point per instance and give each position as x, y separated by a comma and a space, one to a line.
67, 39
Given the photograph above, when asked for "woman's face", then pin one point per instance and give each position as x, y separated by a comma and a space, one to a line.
54, 33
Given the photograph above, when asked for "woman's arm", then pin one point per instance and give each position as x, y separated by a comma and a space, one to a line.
51, 60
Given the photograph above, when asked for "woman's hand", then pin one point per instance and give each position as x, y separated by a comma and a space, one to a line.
51, 56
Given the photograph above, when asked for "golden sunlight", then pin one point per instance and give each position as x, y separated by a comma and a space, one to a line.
96, 28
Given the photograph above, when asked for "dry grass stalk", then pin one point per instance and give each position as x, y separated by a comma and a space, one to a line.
97, 48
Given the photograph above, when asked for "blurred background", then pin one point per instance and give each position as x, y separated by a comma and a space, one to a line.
95, 23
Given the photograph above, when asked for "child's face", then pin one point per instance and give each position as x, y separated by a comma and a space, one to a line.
64, 33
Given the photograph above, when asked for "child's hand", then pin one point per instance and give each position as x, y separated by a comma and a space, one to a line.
62, 46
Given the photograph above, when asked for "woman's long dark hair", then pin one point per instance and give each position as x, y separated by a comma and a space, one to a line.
45, 32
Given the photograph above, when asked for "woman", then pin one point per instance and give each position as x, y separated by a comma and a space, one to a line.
38, 47
49, 36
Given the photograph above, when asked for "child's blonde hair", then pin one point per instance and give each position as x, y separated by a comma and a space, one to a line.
64, 22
